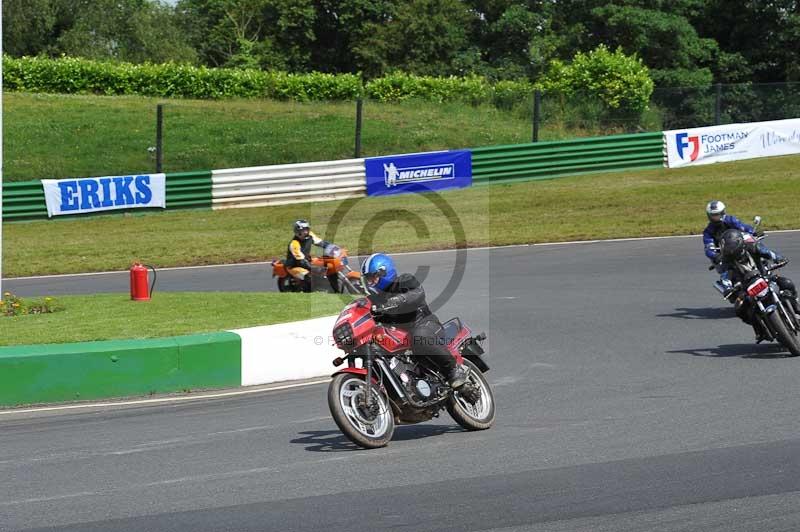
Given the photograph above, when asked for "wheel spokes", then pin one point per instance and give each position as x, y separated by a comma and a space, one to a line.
350, 395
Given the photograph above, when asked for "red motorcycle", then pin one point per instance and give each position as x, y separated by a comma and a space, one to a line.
385, 384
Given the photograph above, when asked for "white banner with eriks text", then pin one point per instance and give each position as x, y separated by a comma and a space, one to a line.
732, 142
94, 194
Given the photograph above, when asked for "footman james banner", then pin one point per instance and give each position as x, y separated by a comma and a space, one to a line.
419, 172
93, 194
732, 142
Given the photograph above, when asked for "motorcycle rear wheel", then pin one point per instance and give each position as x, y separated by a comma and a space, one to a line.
346, 400
479, 416
287, 284
783, 333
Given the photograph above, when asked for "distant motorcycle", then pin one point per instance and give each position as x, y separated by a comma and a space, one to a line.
758, 287
334, 264
392, 386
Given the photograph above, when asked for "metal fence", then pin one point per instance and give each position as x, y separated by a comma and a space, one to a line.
685, 107
290, 183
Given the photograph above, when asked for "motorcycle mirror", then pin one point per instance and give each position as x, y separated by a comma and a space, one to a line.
756, 221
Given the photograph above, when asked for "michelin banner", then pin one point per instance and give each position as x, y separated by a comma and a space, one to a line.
732, 142
419, 172
94, 194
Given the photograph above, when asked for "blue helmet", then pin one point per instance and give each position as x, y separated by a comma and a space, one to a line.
382, 266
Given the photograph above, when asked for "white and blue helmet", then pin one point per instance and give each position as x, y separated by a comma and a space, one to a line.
715, 210
378, 270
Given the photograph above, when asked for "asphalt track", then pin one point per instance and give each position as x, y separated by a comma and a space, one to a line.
629, 399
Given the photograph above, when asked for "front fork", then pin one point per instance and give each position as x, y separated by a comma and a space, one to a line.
368, 365
778, 305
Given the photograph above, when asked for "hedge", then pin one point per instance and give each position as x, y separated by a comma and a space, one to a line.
71, 75
620, 81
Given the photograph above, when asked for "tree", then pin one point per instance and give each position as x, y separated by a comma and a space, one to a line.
418, 36
28, 26
764, 35
270, 34
127, 30
512, 39
225, 33
341, 27
658, 31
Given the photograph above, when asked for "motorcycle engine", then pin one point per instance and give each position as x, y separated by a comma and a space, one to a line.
417, 387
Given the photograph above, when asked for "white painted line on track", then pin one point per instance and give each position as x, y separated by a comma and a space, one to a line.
48, 499
197, 397
483, 248
127, 271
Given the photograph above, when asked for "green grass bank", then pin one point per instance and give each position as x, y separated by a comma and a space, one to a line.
114, 316
56, 136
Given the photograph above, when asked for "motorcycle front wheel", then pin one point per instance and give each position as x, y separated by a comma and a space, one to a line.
783, 332
368, 426
477, 416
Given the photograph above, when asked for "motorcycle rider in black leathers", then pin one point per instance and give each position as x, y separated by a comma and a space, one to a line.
400, 300
733, 253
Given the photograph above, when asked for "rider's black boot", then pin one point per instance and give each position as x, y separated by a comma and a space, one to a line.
457, 377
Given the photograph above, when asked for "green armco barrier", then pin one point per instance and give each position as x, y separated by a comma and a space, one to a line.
544, 160
189, 190
25, 200
95, 370
490, 165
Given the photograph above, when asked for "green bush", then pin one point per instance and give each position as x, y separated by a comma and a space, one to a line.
70, 75
399, 86
510, 94
622, 82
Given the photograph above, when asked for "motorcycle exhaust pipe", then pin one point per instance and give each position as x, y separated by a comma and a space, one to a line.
389, 374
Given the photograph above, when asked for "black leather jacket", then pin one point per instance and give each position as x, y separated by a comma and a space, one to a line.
402, 303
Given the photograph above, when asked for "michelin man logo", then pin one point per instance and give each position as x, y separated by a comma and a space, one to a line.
391, 173
394, 176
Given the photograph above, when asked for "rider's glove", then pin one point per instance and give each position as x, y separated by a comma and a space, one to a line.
390, 304
396, 301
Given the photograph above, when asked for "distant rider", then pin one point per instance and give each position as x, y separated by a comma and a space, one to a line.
400, 300
718, 223
298, 255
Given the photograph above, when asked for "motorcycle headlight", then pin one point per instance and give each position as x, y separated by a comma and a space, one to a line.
343, 335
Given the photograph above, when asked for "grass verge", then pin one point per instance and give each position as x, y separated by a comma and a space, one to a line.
55, 136
599, 206
115, 316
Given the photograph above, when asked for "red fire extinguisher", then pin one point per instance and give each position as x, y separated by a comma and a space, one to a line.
139, 288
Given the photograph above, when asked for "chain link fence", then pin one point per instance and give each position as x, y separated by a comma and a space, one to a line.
725, 104
585, 114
